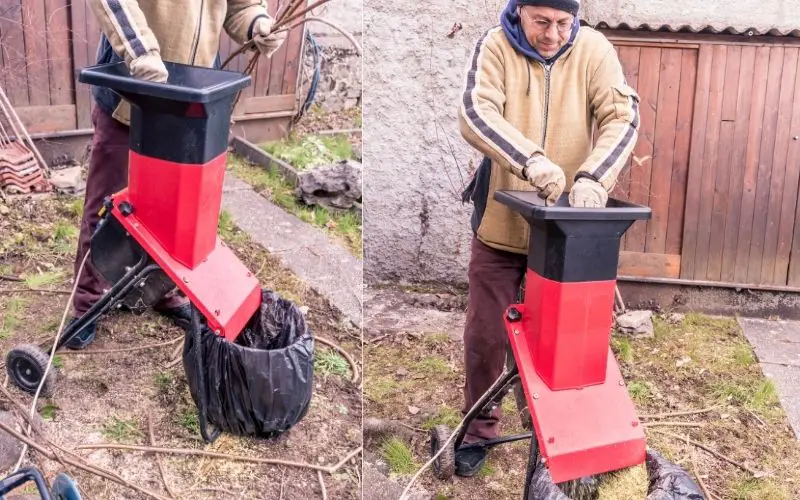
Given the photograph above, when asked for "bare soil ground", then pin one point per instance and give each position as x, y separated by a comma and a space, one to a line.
414, 377
112, 397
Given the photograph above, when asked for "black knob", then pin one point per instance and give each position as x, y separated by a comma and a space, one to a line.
514, 315
125, 209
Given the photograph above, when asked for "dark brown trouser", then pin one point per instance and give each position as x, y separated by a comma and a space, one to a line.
494, 280
108, 173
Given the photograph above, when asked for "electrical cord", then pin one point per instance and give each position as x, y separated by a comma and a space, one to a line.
312, 89
52, 355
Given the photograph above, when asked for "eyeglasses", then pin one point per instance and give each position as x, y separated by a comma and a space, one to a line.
540, 24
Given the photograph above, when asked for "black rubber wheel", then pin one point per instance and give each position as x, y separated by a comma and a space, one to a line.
445, 465
26, 365
65, 488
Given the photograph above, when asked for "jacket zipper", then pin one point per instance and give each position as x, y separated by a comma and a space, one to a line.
196, 42
547, 69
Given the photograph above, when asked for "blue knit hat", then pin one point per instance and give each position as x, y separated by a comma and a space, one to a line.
571, 6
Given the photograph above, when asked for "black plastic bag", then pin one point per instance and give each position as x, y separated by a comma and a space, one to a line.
261, 384
667, 481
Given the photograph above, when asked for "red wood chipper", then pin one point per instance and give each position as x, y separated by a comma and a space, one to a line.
161, 231
559, 361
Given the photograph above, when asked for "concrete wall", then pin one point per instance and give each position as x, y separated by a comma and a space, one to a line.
416, 162
340, 83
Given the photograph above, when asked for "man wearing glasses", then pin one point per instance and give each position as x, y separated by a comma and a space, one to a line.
535, 88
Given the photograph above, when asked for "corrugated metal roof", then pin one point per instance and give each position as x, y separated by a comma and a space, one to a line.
729, 30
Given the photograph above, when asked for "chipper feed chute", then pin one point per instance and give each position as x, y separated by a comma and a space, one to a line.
585, 422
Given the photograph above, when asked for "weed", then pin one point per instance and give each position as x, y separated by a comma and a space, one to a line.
436, 339
640, 391
10, 319
64, 232
759, 489
121, 430
431, 365
75, 208
622, 348
43, 279
48, 411
58, 361
163, 381
380, 388
187, 418
444, 416
328, 362
487, 470
310, 151
398, 456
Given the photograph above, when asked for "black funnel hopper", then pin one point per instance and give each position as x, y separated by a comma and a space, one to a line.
185, 120
573, 244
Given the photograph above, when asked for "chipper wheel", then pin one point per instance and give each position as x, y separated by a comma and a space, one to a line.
26, 365
445, 466
65, 488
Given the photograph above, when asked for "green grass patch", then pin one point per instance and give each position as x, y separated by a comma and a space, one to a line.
640, 391
75, 208
187, 418
121, 430
310, 151
436, 340
757, 395
487, 470
48, 411
398, 456
64, 231
444, 416
622, 348
759, 489
11, 317
344, 226
328, 362
58, 361
164, 381
44, 279
431, 365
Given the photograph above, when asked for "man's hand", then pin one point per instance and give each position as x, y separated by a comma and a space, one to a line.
266, 42
149, 67
546, 177
588, 193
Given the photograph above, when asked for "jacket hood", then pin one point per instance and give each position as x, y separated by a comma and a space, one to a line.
512, 28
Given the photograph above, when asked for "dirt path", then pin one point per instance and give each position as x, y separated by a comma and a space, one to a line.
111, 397
414, 377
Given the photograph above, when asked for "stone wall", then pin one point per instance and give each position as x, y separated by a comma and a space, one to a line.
416, 161
339, 86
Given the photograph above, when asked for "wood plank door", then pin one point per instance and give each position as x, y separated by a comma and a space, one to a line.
743, 178
665, 78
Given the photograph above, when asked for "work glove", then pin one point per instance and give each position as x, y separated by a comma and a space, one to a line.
266, 42
546, 177
149, 67
588, 193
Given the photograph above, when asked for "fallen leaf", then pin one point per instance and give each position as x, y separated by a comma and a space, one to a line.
413, 410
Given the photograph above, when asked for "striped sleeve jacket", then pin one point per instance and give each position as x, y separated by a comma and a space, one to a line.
512, 107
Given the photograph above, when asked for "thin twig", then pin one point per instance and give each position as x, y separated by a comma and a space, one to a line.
344, 353
700, 479
88, 467
674, 424
713, 452
158, 457
212, 454
34, 290
127, 349
207, 488
322, 485
283, 474
377, 339
681, 413
10, 278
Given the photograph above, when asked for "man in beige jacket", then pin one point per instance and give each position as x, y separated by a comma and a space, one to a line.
535, 87
143, 34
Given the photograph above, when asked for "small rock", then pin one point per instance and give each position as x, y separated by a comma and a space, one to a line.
402, 372
683, 361
4, 210
68, 180
413, 410
636, 323
336, 186
304, 310
675, 318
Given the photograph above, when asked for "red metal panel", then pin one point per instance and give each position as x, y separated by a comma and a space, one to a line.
178, 203
581, 432
568, 329
221, 287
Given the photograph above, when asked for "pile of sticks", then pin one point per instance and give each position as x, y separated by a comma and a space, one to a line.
22, 169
